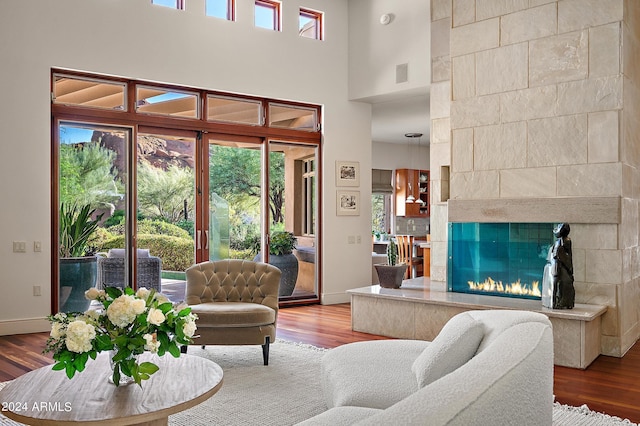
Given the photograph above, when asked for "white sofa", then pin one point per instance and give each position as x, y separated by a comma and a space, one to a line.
492, 367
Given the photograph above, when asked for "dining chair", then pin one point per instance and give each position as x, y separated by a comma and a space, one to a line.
406, 254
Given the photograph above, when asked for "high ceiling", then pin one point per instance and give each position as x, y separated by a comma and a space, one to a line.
391, 119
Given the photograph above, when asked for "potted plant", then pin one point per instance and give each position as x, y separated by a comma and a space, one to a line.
78, 263
281, 245
391, 274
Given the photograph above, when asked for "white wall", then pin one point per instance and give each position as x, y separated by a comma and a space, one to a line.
135, 39
375, 49
392, 156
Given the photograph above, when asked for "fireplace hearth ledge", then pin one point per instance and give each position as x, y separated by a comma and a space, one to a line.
419, 309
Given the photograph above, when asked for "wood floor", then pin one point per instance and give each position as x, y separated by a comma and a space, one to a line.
610, 385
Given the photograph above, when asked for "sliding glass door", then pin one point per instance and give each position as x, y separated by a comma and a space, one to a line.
92, 192
293, 204
166, 208
150, 178
234, 205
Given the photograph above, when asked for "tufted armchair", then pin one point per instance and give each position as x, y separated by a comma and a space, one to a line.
236, 302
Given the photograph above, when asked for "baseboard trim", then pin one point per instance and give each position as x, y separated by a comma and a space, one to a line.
335, 298
24, 326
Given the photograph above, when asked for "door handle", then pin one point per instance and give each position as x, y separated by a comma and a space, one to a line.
199, 239
206, 241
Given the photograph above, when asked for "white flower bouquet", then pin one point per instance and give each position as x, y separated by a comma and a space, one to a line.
128, 324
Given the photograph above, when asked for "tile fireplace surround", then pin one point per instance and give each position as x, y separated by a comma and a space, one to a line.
420, 308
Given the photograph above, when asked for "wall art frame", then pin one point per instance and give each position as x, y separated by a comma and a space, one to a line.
347, 173
347, 203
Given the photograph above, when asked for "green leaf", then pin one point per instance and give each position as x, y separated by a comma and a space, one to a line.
58, 366
121, 341
184, 312
165, 307
103, 343
65, 356
174, 350
148, 368
116, 374
129, 291
113, 292
70, 370
80, 361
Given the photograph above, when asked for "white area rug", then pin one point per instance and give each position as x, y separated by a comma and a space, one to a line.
289, 391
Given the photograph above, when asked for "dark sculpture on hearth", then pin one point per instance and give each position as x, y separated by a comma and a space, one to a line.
557, 283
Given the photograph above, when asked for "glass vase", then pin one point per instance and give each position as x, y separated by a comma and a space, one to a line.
124, 380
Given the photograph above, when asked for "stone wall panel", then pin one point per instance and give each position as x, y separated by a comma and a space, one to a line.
463, 77
525, 183
594, 236
578, 14
440, 100
560, 58
528, 24
604, 50
604, 266
464, 12
603, 137
475, 37
629, 231
528, 104
598, 94
480, 111
475, 185
440, 131
491, 8
462, 150
499, 147
557, 140
590, 180
440, 69
440, 9
502, 69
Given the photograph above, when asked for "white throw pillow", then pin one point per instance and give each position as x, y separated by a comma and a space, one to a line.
456, 344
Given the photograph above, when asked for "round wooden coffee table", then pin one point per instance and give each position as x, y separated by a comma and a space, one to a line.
47, 397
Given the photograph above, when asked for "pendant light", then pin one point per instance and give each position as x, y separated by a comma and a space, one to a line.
412, 135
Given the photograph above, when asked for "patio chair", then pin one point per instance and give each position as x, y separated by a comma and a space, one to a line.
236, 302
111, 270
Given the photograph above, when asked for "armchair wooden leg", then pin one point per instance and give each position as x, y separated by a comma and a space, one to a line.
183, 349
265, 351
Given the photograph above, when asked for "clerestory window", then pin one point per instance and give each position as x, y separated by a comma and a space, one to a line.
223, 9
174, 4
310, 24
267, 14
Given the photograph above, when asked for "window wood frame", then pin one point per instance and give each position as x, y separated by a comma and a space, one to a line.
318, 17
180, 4
231, 11
276, 7
136, 121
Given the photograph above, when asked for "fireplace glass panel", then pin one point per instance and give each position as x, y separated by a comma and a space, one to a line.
498, 259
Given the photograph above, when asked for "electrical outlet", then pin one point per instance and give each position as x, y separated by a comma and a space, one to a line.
19, 246
37, 291
358, 239
351, 239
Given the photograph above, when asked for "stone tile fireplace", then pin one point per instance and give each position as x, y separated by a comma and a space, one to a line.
498, 259
534, 119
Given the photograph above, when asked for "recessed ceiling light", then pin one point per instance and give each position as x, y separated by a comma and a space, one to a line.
413, 135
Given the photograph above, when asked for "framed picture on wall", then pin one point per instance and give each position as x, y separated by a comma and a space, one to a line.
347, 173
348, 203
